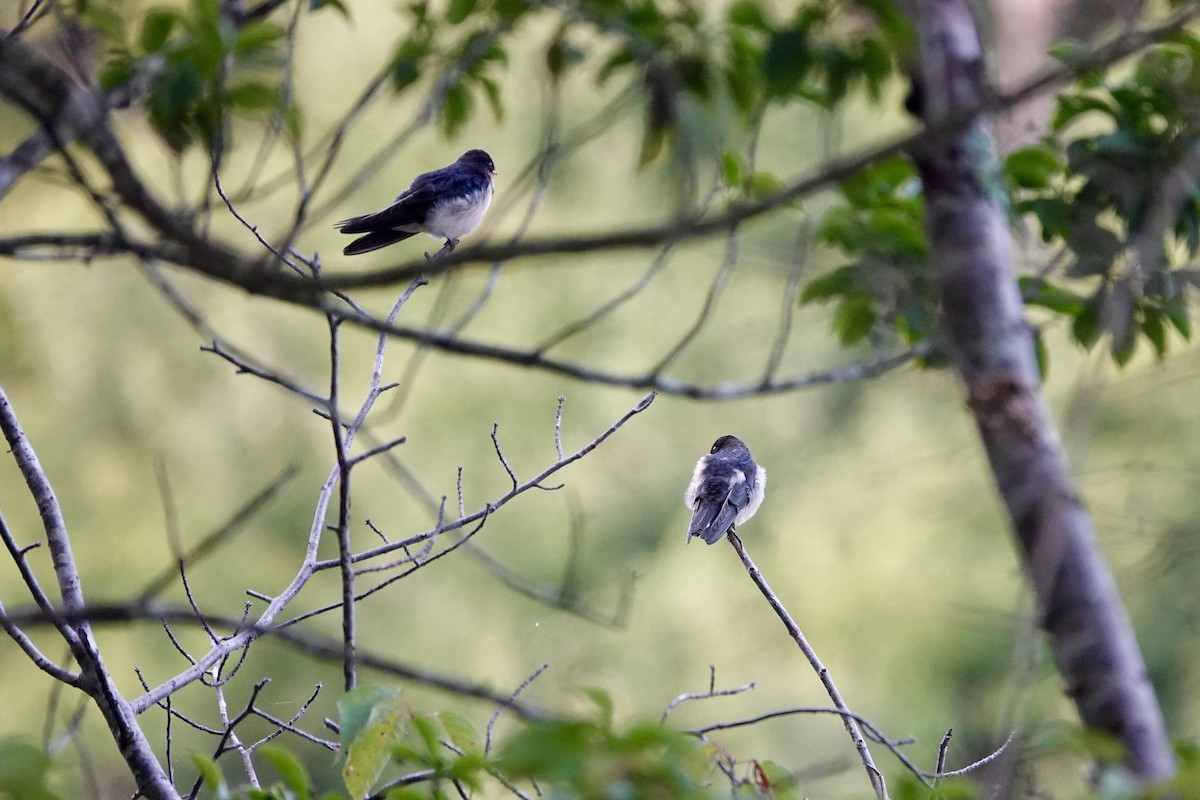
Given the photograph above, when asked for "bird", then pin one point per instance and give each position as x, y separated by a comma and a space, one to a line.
726, 489
447, 203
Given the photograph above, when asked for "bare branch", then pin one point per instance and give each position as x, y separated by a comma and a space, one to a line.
491, 507
831, 689
94, 677
711, 693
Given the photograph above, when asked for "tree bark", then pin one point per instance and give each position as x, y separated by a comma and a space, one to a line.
967, 224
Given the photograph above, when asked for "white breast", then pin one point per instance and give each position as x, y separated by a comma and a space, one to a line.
454, 219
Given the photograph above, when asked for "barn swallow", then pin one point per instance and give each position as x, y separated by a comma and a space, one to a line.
446, 203
726, 489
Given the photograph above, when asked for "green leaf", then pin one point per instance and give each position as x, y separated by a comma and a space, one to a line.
749, 14
763, 184
462, 734
787, 60
731, 168
1122, 351
491, 90
107, 22
1038, 292
371, 751
1156, 332
560, 55
916, 321
550, 751
405, 70
842, 280
1072, 106
294, 123
156, 28
118, 70
355, 707
1031, 167
1176, 311
427, 730
611, 65
854, 319
293, 773
510, 9
1086, 327
1041, 354
604, 705
23, 771
252, 96
459, 10
653, 141
469, 767
210, 773
256, 36
172, 100
1068, 50
455, 110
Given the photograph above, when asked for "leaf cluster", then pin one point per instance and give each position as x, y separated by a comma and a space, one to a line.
1116, 187
673, 51
886, 289
463, 43
200, 63
389, 751
1113, 189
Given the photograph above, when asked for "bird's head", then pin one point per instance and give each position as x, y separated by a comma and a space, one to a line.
479, 160
729, 443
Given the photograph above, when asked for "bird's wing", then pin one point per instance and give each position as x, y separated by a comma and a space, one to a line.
409, 209
717, 503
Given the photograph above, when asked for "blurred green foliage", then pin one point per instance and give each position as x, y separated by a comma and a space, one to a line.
24, 771
203, 67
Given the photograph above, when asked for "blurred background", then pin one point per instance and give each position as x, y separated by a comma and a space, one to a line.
881, 531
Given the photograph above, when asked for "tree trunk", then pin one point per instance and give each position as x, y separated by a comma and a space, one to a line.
967, 224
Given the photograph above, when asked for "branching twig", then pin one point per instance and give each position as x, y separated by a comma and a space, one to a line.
713, 691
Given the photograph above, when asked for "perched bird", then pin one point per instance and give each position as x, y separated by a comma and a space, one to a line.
447, 204
726, 489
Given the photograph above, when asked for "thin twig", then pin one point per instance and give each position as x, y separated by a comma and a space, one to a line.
860, 744
712, 692
487, 743
941, 760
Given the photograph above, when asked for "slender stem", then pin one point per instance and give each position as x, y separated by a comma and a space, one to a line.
848, 719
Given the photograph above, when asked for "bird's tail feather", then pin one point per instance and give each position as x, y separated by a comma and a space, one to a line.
374, 241
710, 521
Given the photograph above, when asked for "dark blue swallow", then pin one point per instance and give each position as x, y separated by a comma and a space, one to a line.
726, 489
447, 204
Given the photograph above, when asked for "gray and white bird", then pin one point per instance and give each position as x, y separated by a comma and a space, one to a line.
447, 203
726, 489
